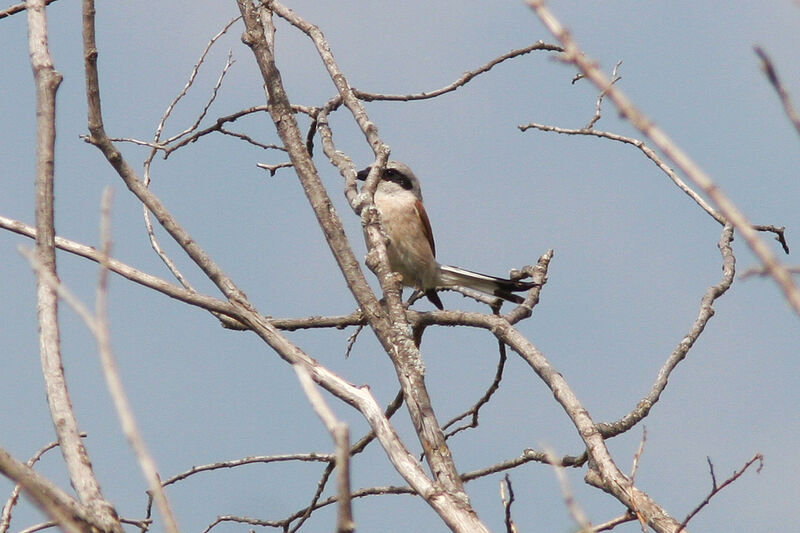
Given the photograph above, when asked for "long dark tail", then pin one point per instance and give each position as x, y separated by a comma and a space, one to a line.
500, 287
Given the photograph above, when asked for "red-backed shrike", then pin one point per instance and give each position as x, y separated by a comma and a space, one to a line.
411, 249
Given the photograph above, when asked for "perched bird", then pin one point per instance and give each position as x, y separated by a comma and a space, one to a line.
411, 249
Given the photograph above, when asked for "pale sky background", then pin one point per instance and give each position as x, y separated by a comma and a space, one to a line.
633, 254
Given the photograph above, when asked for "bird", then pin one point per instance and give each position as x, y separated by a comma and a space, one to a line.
411, 248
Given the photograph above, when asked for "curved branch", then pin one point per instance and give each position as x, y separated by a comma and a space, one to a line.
706, 312
462, 80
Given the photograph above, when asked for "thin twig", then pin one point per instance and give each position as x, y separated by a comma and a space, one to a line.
596, 117
526, 457
283, 524
5, 517
507, 497
646, 150
783, 94
614, 522
575, 510
190, 82
306, 457
716, 488
148, 223
462, 80
671, 174
705, 313
483, 400
638, 454
18, 8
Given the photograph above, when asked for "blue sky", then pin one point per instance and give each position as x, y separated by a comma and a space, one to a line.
633, 254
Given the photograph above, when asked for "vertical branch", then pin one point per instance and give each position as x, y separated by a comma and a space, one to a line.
47, 80
393, 334
99, 327
341, 440
392, 330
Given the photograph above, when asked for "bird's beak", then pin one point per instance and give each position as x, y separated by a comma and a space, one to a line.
362, 174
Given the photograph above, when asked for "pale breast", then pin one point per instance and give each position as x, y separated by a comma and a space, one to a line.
410, 254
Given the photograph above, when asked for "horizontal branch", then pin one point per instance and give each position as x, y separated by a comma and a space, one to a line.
646, 150
177, 292
126, 271
461, 81
19, 8
307, 457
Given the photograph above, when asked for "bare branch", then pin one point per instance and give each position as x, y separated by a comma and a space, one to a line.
214, 305
461, 81
614, 522
783, 94
310, 457
5, 517
526, 457
341, 439
653, 156
393, 334
596, 117
575, 510
715, 489
483, 400
66, 425
57, 504
137, 276
39, 527
18, 8
190, 82
603, 473
284, 524
507, 497
646, 150
100, 329
706, 311
573, 54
